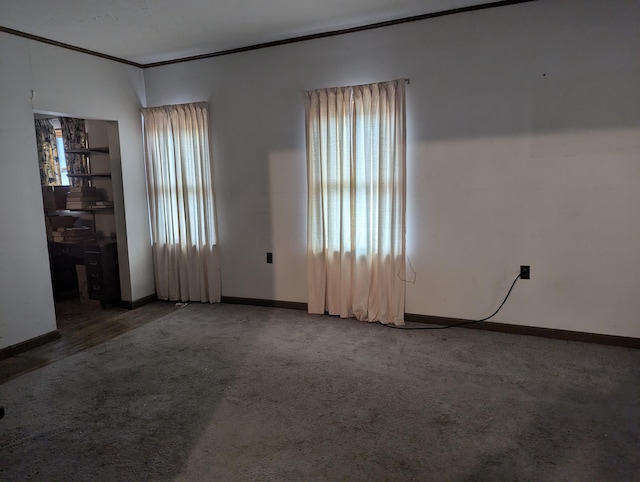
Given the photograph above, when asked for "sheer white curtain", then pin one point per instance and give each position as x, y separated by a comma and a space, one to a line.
181, 202
356, 209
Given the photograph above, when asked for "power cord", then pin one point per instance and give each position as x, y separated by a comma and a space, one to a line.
458, 324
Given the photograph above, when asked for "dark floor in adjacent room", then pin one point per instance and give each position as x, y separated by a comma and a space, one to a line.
225, 392
81, 326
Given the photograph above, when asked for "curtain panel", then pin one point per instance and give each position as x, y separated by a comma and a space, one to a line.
74, 136
181, 202
47, 153
356, 206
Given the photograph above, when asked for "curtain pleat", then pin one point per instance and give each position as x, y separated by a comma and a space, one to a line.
74, 136
356, 208
182, 202
47, 153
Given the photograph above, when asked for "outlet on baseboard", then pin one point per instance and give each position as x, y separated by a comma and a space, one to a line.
525, 271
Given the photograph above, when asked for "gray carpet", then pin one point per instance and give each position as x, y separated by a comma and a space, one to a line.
229, 392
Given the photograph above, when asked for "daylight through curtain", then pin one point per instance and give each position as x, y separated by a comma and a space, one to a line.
181, 202
356, 206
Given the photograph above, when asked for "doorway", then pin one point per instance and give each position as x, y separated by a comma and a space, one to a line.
76, 159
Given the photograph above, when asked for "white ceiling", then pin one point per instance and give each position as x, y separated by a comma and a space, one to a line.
147, 31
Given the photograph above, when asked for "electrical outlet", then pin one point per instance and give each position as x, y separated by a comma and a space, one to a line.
269, 258
525, 271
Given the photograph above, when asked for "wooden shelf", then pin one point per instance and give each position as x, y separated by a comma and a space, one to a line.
89, 176
68, 212
88, 152
58, 212
108, 210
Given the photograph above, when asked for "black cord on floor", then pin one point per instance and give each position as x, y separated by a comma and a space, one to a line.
444, 327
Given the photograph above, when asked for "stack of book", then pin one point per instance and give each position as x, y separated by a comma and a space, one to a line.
58, 235
103, 205
83, 197
57, 224
73, 234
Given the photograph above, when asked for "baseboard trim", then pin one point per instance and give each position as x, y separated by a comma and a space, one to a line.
290, 305
554, 333
29, 344
132, 305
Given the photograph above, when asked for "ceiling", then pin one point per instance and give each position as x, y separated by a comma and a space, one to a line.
147, 31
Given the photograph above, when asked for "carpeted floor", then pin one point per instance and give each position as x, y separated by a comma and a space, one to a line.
228, 392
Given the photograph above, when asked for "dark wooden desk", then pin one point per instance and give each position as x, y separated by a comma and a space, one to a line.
101, 262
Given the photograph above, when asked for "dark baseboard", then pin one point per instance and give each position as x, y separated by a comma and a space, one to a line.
553, 333
27, 345
291, 305
529, 330
132, 305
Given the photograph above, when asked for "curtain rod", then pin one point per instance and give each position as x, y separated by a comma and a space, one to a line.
200, 102
406, 81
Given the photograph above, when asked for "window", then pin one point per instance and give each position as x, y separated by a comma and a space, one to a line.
356, 220
181, 202
62, 158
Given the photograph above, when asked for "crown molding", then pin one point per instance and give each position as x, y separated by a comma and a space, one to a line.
276, 43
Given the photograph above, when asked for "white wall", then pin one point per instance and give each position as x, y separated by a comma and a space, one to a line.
26, 302
523, 148
82, 86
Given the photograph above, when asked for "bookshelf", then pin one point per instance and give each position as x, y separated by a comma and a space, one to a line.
98, 198
81, 229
